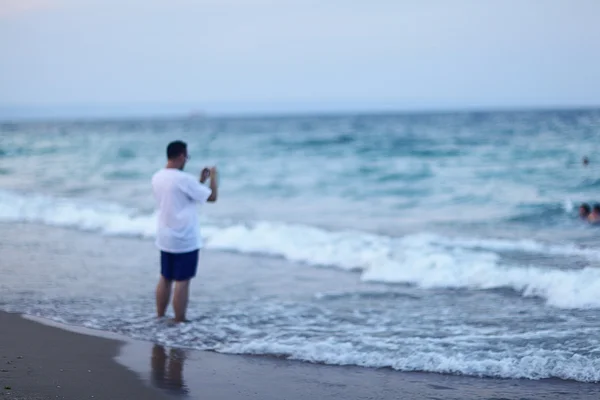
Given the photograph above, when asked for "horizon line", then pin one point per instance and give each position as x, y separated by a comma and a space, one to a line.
199, 114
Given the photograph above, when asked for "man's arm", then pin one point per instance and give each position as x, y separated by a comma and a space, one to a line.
213, 186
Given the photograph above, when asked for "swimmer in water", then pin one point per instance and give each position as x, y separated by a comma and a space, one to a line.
584, 211
594, 216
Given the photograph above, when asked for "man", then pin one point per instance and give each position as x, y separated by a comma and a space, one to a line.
178, 233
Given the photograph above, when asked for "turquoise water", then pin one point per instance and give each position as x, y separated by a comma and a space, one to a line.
378, 173
439, 207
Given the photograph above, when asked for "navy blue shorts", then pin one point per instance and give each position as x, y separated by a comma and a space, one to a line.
178, 266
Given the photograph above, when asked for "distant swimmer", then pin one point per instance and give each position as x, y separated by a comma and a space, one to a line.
585, 161
584, 211
177, 236
594, 216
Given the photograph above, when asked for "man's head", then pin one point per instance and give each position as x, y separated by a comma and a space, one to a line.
177, 154
584, 210
596, 209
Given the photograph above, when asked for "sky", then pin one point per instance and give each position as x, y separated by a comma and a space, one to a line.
244, 56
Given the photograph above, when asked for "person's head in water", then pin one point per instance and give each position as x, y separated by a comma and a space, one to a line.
594, 216
177, 154
584, 210
585, 161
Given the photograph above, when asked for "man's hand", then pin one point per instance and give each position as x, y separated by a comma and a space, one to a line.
206, 173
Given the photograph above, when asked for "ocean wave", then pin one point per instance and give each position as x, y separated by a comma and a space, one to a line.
223, 331
588, 183
108, 218
424, 260
318, 142
34, 150
546, 214
532, 364
123, 175
126, 153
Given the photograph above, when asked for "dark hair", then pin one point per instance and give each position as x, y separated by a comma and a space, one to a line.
597, 208
585, 206
175, 149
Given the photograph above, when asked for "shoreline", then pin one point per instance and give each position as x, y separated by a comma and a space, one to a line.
57, 354
75, 362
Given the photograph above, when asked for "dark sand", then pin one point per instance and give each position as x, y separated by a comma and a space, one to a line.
41, 362
61, 364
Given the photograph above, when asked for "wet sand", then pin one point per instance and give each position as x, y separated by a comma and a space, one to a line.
45, 362
42, 362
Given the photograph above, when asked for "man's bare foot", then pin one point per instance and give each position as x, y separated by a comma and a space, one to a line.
179, 321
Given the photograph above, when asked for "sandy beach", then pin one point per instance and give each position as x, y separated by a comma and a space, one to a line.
42, 362
46, 362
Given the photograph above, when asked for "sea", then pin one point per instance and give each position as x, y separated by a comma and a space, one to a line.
438, 242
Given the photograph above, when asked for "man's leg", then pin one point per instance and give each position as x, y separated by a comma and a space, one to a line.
163, 288
163, 294
180, 299
185, 269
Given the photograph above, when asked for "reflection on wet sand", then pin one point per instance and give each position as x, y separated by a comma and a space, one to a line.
212, 376
167, 370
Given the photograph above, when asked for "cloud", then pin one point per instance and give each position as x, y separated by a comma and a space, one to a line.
11, 8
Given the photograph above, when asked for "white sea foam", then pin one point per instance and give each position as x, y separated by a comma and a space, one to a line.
425, 260
111, 219
531, 364
568, 205
428, 261
474, 354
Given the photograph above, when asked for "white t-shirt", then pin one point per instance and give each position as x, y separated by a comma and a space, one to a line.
176, 194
